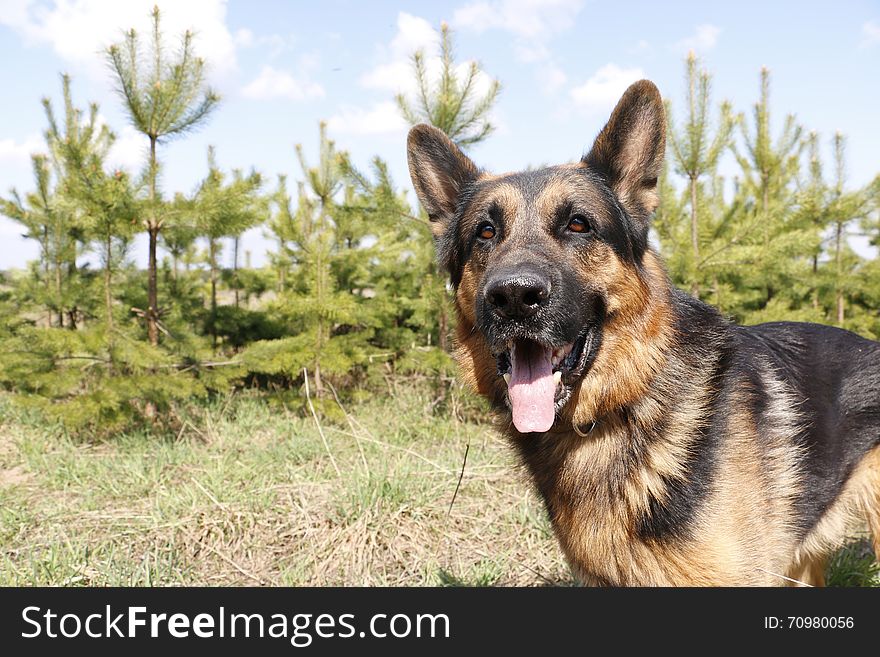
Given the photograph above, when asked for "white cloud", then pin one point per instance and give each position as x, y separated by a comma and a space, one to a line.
393, 76
80, 30
273, 83
244, 37
602, 91
395, 73
276, 44
18, 154
870, 34
532, 51
129, 151
413, 33
704, 38
528, 19
533, 24
552, 78
381, 118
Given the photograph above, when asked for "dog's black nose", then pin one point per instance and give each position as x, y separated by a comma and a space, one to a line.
519, 296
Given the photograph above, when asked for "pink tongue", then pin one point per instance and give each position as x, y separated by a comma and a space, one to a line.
531, 388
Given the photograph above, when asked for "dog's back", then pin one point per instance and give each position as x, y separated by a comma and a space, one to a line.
834, 379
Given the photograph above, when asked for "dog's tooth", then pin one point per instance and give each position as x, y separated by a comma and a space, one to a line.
506, 376
557, 377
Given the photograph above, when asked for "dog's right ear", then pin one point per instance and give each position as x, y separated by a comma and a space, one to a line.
439, 172
629, 150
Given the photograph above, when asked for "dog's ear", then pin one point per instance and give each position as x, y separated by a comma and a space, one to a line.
439, 172
629, 150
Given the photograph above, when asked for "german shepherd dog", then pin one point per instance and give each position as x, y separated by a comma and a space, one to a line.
670, 446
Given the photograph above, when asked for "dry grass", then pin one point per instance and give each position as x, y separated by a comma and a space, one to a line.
247, 495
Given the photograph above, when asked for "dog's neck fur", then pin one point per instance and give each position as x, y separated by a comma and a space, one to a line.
642, 438
607, 492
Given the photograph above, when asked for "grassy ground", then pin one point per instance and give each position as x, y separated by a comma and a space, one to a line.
252, 496
248, 494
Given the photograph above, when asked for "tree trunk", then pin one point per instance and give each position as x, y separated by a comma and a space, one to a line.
443, 328
235, 242
318, 385
717, 293
319, 296
765, 199
212, 255
152, 267
152, 289
47, 268
108, 298
59, 308
71, 276
695, 237
282, 266
838, 239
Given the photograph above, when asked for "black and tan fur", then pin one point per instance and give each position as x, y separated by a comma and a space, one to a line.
689, 451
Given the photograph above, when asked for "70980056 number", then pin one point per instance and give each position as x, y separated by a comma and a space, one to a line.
820, 622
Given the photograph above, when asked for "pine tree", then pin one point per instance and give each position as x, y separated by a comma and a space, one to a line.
451, 102
332, 244
775, 246
163, 102
101, 377
837, 211
220, 209
51, 226
281, 226
394, 263
102, 202
316, 237
179, 238
696, 152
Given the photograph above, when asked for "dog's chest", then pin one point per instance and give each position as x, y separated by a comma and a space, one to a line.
596, 490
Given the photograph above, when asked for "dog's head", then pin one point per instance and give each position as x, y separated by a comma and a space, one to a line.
541, 260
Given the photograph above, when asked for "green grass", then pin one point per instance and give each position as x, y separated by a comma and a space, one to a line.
247, 493
854, 565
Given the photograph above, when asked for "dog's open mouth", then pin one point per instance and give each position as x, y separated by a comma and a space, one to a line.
540, 378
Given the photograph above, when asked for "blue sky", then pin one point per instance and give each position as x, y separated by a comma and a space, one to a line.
283, 66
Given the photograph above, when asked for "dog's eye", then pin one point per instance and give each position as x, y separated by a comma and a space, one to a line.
578, 224
486, 231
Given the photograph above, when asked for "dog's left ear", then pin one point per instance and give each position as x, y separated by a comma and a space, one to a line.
629, 150
439, 172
